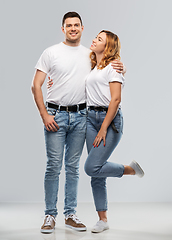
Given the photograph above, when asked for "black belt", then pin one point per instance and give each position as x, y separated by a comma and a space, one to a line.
73, 108
98, 108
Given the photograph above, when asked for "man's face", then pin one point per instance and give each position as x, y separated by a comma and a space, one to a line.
73, 30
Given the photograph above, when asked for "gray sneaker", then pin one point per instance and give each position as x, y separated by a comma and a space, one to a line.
100, 227
138, 170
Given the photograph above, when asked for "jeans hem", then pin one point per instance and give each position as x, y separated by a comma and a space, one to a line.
102, 210
47, 213
67, 214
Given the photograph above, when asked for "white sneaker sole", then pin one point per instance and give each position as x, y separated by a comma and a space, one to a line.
47, 231
99, 231
75, 228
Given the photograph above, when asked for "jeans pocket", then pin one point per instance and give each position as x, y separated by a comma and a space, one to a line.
117, 123
83, 112
51, 111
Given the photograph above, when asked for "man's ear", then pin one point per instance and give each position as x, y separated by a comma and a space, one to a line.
82, 27
62, 28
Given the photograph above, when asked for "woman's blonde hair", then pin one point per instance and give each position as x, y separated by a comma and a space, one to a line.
111, 52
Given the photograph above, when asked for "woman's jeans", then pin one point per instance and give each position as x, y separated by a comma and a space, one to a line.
70, 137
96, 164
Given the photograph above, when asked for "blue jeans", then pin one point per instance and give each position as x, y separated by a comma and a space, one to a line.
96, 164
70, 137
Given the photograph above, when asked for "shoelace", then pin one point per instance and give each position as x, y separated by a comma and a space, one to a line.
49, 220
74, 218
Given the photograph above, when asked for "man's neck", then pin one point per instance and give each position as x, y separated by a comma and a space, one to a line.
72, 44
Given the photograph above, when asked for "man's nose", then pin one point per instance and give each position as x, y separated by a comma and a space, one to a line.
73, 28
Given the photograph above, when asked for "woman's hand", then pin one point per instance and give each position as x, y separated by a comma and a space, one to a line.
49, 83
100, 136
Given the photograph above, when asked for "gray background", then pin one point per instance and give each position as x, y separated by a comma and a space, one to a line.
144, 28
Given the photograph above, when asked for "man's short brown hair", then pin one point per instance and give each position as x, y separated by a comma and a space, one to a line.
71, 15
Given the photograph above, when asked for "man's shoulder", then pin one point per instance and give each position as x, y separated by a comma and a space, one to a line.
53, 48
84, 50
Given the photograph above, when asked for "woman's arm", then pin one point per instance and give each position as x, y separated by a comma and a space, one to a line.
115, 89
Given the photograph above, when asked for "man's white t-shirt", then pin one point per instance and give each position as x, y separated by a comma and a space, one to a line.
97, 85
68, 67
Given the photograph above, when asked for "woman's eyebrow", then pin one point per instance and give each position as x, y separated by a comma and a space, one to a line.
100, 37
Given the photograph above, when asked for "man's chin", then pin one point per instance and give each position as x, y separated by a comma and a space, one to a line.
74, 40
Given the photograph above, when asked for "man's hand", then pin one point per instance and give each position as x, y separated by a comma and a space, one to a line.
49, 123
118, 66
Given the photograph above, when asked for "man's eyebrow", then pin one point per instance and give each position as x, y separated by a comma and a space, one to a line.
71, 23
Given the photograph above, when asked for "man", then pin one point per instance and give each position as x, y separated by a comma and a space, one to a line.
64, 117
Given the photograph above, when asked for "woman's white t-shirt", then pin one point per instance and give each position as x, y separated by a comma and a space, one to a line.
97, 85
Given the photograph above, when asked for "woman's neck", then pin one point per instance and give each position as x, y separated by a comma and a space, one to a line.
99, 58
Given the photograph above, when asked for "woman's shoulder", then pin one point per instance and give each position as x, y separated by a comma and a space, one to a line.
110, 69
113, 74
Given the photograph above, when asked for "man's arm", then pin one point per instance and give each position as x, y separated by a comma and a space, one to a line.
119, 66
47, 119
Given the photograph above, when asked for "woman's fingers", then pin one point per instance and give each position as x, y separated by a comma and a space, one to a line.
97, 141
104, 141
100, 136
49, 83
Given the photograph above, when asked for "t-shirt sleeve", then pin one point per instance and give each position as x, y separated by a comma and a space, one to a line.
43, 63
113, 76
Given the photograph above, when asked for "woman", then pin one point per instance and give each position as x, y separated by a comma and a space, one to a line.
104, 122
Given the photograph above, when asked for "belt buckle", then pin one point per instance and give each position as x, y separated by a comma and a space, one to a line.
67, 109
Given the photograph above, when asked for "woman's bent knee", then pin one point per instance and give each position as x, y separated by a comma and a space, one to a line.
89, 169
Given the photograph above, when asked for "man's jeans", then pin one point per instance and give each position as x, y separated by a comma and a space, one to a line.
96, 164
70, 137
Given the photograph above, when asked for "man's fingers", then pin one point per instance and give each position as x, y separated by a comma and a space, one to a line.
52, 127
48, 127
117, 65
56, 125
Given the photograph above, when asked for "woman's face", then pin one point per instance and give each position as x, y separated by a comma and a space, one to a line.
99, 43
